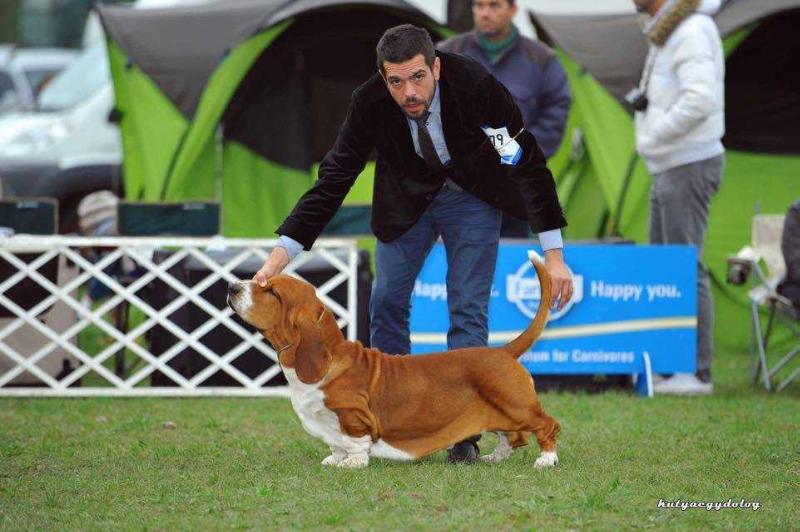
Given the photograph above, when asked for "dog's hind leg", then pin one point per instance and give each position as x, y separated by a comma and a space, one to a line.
518, 403
508, 442
546, 429
517, 439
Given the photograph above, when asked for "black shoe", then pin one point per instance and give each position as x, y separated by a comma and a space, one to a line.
464, 452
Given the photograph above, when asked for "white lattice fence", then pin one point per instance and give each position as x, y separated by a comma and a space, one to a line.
103, 345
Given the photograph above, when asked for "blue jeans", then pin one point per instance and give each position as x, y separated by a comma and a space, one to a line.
470, 230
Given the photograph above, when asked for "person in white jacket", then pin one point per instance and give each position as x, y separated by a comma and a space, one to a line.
679, 126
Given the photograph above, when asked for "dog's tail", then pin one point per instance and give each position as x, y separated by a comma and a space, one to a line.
524, 341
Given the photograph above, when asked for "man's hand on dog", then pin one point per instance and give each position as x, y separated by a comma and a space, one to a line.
275, 263
560, 277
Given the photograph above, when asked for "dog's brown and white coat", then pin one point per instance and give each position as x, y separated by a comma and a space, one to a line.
362, 402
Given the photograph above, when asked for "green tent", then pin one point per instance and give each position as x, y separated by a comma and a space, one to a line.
604, 186
239, 101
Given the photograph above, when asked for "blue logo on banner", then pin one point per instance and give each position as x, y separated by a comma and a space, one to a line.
523, 289
630, 303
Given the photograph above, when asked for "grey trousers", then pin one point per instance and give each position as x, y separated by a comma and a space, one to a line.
679, 199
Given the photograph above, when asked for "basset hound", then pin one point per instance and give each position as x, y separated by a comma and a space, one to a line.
362, 402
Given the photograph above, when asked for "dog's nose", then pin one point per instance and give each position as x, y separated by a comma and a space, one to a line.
234, 288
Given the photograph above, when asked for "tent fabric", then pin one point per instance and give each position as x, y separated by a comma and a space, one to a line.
595, 42
308, 92
243, 115
598, 177
612, 48
252, 208
198, 140
155, 150
149, 145
736, 14
180, 48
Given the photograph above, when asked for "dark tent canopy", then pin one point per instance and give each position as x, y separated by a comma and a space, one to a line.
241, 99
179, 48
762, 88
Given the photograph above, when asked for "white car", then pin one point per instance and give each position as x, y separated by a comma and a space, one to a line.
71, 117
71, 124
69, 147
25, 71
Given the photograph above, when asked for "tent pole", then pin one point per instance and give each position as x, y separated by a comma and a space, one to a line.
626, 182
172, 161
219, 168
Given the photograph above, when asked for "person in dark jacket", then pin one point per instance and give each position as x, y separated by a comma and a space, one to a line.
452, 154
529, 70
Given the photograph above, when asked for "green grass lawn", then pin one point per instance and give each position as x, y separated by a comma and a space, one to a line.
247, 463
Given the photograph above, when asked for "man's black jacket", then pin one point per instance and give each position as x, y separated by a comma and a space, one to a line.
404, 186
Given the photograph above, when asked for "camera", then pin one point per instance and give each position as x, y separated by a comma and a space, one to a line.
637, 99
738, 270
741, 265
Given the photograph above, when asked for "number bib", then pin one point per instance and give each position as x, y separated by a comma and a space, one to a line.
509, 149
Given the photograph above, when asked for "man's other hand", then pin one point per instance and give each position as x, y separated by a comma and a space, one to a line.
560, 277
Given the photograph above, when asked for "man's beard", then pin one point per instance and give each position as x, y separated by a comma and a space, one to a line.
413, 101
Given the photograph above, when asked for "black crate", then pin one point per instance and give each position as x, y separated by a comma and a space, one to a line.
32, 216
177, 219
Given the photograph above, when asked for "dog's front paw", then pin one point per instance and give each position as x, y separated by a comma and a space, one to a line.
547, 459
333, 459
354, 461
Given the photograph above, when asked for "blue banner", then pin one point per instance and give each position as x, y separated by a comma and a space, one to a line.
630, 302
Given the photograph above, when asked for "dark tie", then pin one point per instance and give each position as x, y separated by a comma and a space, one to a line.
426, 143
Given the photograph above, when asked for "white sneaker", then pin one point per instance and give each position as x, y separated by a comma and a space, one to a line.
683, 384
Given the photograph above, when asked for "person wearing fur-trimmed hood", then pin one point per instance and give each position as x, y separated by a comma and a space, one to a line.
679, 126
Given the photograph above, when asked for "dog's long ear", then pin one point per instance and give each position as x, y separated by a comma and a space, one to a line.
308, 353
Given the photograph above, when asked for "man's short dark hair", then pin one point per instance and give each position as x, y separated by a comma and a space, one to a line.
404, 42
